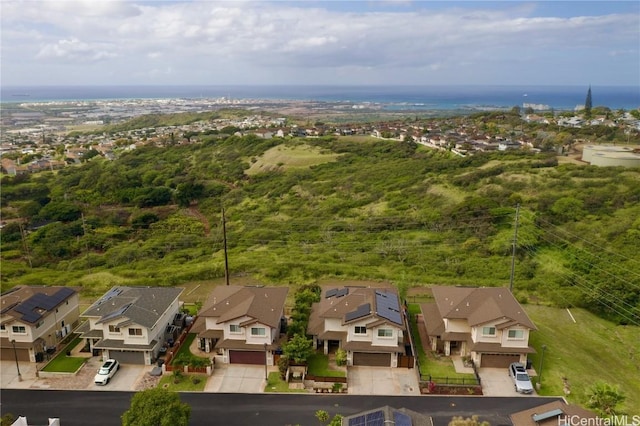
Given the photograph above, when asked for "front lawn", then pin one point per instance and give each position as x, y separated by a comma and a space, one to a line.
276, 384
318, 365
63, 363
185, 382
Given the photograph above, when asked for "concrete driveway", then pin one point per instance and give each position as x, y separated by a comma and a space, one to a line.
382, 381
125, 379
237, 378
497, 382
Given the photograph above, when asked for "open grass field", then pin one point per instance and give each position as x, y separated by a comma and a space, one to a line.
584, 352
290, 157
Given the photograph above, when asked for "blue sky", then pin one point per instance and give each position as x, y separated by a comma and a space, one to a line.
112, 42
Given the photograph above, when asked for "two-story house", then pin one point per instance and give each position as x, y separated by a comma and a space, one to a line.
131, 324
486, 323
243, 324
34, 319
368, 323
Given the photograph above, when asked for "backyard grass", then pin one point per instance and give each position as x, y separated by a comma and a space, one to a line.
185, 383
585, 352
63, 363
318, 365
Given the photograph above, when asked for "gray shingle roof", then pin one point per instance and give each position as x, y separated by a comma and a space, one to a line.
139, 305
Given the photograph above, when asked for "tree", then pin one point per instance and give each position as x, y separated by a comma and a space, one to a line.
604, 398
588, 103
322, 416
473, 421
298, 349
156, 407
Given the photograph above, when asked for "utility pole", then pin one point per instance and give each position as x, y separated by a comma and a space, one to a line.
224, 240
24, 244
513, 251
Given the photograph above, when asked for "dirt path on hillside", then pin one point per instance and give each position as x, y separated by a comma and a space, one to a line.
194, 212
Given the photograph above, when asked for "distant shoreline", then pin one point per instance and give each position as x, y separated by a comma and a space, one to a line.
390, 98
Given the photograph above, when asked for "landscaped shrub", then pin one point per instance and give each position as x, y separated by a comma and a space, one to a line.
341, 357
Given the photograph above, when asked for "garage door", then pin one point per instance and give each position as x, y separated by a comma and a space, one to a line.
127, 357
498, 360
246, 357
7, 354
373, 360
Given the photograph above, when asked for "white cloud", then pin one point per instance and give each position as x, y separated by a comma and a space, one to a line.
76, 50
234, 41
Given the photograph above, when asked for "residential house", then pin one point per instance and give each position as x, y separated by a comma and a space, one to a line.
132, 324
368, 323
34, 319
486, 323
388, 416
555, 413
508, 145
243, 324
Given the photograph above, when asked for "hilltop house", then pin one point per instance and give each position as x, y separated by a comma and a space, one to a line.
368, 323
243, 324
485, 323
131, 324
34, 319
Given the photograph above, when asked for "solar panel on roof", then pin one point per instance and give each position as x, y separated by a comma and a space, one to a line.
342, 292
357, 421
331, 293
402, 419
116, 291
115, 313
388, 307
361, 311
375, 419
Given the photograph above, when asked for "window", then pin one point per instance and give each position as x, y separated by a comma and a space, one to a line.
114, 329
361, 330
258, 331
385, 332
488, 331
2, 327
19, 329
39, 324
516, 334
234, 328
135, 332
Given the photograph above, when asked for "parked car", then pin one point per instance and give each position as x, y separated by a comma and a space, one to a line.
106, 372
520, 378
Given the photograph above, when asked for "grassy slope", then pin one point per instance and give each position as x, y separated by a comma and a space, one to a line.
589, 350
290, 157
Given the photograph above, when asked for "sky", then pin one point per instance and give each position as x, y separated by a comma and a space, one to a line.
306, 42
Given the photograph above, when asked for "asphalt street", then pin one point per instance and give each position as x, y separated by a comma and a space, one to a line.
81, 408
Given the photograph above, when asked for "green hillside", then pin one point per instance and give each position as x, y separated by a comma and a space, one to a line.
353, 208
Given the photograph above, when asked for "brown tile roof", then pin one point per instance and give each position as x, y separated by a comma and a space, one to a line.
264, 304
480, 305
498, 348
31, 303
339, 307
525, 417
432, 319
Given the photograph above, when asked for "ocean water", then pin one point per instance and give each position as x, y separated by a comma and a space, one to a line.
391, 97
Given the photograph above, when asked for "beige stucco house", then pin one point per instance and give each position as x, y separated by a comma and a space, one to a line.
368, 323
486, 323
243, 324
35, 319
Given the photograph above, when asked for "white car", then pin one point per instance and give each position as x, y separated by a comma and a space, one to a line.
520, 378
106, 372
